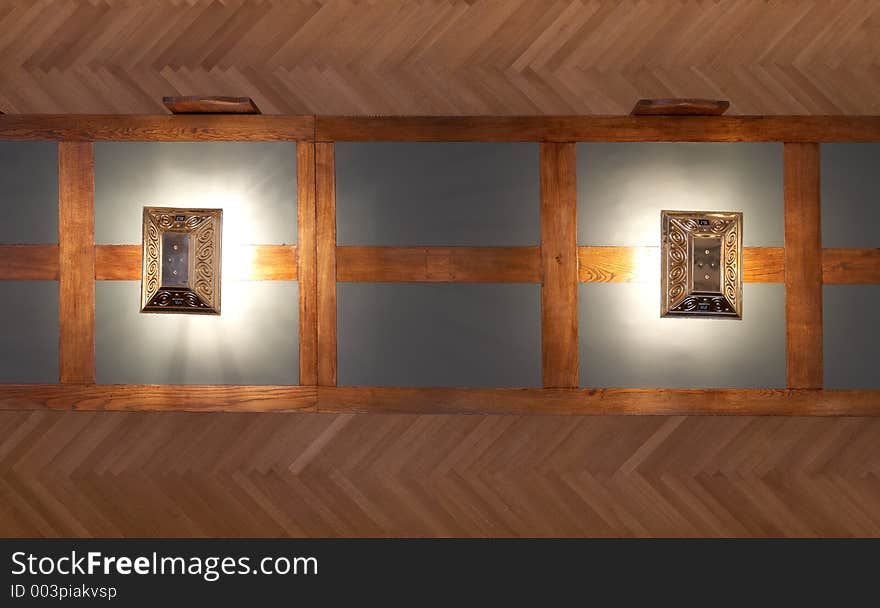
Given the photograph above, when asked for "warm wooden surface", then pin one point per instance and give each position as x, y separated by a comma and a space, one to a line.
198, 104
261, 263
559, 263
193, 127
28, 262
307, 268
439, 264
642, 264
680, 107
803, 266
76, 254
599, 128
851, 265
325, 174
131, 397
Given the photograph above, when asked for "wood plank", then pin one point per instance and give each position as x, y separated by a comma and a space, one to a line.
642, 264
598, 128
559, 314
258, 263
803, 266
200, 104
680, 107
28, 262
527, 401
853, 266
439, 264
307, 269
133, 397
76, 252
325, 201
122, 127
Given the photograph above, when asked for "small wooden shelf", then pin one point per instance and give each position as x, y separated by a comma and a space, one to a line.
680, 107
198, 104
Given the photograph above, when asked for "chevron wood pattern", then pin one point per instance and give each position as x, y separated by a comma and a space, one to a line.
222, 474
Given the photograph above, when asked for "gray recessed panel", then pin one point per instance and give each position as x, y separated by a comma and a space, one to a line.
622, 187
29, 340
477, 194
851, 336
253, 182
29, 192
625, 343
850, 187
254, 341
422, 334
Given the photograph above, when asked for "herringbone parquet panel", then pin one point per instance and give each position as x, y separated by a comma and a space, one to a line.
178, 474
440, 56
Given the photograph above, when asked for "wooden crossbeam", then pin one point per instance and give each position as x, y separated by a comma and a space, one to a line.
325, 188
307, 263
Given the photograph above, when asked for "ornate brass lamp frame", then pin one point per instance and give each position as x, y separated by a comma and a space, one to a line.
701, 264
181, 260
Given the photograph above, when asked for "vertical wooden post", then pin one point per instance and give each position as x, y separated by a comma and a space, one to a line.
76, 250
559, 329
307, 263
803, 266
325, 174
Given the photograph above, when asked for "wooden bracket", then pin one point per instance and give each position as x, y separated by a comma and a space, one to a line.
198, 104
680, 107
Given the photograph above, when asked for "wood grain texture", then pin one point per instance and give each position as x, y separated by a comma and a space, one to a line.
680, 107
257, 263
135, 397
200, 104
191, 127
642, 264
439, 264
76, 253
803, 266
28, 262
600, 128
325, 200
852, 266
307, 269
781, 402
559, 312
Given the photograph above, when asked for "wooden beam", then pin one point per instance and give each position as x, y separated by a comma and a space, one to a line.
803, 266
123, 127
307, 268
680, 107
133, 397
439, 264
76, 250
200, 104
851, 266
261, 263
642, 264
325, 180
559, 314
527, 401
599, 128
28, 262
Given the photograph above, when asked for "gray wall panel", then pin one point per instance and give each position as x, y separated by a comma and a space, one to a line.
254, 341
850, 187
851, 340
29, 192
253, 182
622, 187
625, 343
29, 340
399, 194
424, 334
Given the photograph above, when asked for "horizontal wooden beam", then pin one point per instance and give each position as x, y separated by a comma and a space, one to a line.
363, 399
641, 264
201, 104
439, 264
600, 128
136, 397
188, 127
28, 262
850, 266
256, 263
